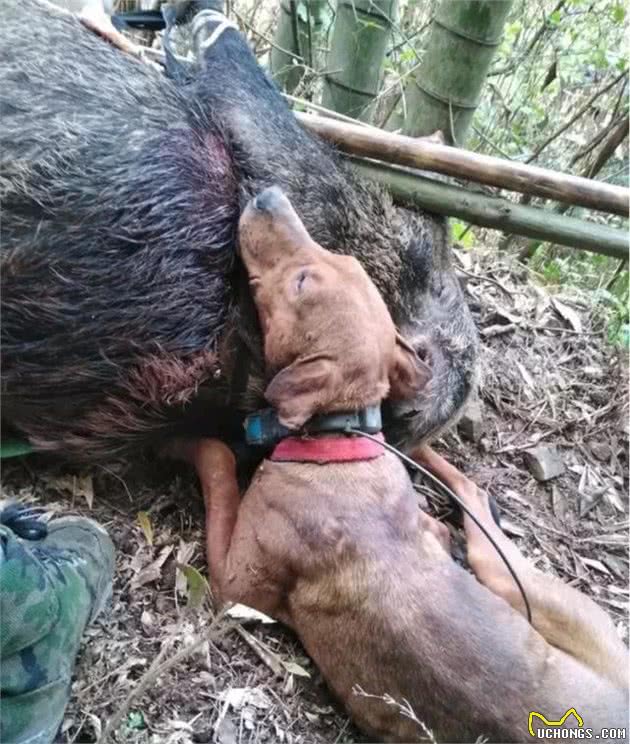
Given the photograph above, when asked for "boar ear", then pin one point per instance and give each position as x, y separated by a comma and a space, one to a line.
300, 390
408, 374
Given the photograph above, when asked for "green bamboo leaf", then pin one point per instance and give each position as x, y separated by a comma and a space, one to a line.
197, 586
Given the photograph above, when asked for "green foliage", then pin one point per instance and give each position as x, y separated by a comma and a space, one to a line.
197, 588
135, 721
619, 316
618, 12
548, 68
591, 272
462, 234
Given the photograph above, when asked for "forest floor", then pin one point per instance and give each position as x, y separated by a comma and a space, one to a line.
547, 376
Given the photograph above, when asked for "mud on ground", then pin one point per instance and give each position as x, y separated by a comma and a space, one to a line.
547, 376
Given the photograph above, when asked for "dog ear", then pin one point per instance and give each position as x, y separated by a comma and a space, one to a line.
408, 374
300, 390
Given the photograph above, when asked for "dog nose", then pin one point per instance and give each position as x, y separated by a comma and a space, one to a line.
270, 199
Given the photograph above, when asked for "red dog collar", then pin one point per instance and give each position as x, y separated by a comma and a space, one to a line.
327, 449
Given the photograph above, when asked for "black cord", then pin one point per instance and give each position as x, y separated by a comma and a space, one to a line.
455, 497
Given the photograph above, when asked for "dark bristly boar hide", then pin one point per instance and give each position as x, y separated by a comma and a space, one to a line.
123, 315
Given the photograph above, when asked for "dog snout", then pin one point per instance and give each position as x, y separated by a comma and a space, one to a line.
270, 200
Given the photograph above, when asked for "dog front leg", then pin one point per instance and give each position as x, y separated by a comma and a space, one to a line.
216, 468
241, 542
566, 618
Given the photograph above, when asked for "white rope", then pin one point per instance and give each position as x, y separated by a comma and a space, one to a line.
205, 16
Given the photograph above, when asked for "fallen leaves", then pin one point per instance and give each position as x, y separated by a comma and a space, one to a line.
74, 485
567, 314
145, 574
248, 614
144, 520
237, 697
594, 563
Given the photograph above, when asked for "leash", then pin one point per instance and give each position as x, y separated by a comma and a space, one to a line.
408, 461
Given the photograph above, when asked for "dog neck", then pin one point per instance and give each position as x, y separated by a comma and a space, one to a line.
327, 448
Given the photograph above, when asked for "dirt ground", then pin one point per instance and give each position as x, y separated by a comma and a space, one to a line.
547, 376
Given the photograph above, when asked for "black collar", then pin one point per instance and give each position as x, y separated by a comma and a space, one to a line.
262, 428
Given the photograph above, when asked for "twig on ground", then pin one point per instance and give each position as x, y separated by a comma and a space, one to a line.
558, 329
405, 709
159, 666
498, 330
484, 278
269, 659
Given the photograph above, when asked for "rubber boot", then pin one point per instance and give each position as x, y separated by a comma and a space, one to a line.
51, 588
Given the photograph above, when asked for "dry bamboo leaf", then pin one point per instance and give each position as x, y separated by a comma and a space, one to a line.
144, 520
267, 656
567, 314
185, 552
76, 485
527, 378
595, 564
558, 503
616, 604
294, 668
515, 496
244, 613
153, 571
511, 528
613, 589
237, 697
612, 497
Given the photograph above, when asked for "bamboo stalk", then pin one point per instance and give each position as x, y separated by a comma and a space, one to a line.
513, 176
292, 50
357, 52
286, 62
414, 189
444, 92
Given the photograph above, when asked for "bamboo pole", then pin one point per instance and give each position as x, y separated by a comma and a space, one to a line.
444, 91
453, 201
417, 153
357, 52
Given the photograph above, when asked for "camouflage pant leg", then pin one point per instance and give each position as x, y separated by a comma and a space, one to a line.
41, 623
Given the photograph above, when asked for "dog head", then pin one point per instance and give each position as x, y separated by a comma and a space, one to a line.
329, 339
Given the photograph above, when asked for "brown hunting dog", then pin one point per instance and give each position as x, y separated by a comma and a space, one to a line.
329, 538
